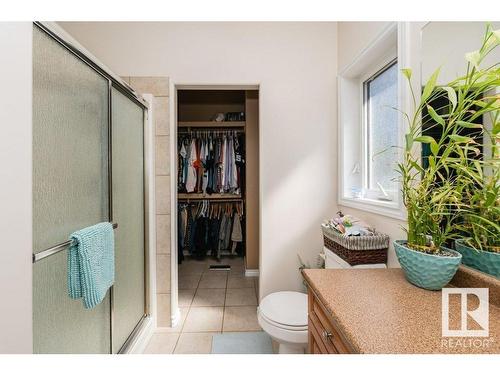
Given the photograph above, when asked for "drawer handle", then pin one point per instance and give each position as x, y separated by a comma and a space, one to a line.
327, 335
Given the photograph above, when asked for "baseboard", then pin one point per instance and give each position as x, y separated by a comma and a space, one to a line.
176, 317
140, 343
251, 273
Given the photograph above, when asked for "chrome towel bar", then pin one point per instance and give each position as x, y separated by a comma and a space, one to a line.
57, 248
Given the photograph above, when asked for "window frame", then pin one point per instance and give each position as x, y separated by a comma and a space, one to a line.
351, 126
385, 63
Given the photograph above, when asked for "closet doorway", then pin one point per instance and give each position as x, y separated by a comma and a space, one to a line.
217, 210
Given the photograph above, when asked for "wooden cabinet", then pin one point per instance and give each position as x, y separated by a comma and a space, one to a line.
324, 338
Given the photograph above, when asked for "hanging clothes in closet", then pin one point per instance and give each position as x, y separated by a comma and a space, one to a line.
208, 227
211, 162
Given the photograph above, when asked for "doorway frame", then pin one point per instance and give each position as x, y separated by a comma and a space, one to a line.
173, 89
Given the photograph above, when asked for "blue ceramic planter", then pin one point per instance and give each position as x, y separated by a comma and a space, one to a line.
484, 261
427, 271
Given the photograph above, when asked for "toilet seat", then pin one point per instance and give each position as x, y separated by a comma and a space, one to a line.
286, 310
282, 326
283, 315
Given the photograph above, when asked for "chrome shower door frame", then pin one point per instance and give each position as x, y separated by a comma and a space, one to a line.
116, 82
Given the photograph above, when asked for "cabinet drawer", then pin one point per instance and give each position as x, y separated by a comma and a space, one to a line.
316, 345
328, 334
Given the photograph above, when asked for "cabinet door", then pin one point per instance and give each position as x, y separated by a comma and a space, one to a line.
70, 191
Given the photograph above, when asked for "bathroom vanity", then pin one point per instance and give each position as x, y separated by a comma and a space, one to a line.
378, 311
323, 335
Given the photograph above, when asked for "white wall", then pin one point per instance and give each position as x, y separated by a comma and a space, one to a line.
353, 37
444, 44
15, 188
295, 65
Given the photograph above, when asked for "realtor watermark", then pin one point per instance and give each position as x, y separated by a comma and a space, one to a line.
461, 335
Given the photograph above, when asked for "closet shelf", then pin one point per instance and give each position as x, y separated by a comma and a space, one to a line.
202, 196
211, 124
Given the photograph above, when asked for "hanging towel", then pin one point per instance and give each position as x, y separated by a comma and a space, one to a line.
91, 263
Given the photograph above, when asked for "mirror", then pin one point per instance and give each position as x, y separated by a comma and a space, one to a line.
445, 44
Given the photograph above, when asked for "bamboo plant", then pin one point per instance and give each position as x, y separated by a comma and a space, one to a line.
480, 224
454, 194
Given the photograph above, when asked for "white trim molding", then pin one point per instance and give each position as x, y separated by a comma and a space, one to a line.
16, 158
389, 44
149, 144
174, 261
251, 273
174, 87
175, 318
142, 339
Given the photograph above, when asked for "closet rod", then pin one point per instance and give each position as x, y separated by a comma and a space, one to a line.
56, 249
211, 131
212, 201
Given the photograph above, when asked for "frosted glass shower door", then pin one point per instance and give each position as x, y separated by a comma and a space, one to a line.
128, 211
70, 191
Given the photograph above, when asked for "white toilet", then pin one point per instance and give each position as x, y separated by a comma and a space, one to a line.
283, 315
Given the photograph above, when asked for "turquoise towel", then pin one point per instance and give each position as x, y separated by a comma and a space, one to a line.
91, 263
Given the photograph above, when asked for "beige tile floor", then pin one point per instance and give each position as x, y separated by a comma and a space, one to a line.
210, 302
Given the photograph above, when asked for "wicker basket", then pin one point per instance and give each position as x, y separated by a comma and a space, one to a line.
357, 249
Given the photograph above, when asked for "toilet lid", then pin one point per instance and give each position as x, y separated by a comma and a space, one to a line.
286, 308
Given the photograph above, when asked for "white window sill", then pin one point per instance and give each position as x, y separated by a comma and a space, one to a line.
390, 209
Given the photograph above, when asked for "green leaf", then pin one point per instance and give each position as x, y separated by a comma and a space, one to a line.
435, 116
409, 142
432, 162
437, 197
474, 58
496, 35
434, 148
452, 97
407, 73
425, 139
469, 125
430, 85
479, 169
417, 166
479, 103
490, 198
460, 138
496, 128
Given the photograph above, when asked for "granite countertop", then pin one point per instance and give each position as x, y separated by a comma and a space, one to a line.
378, 311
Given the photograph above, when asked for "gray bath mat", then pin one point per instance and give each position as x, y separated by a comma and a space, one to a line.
242, 343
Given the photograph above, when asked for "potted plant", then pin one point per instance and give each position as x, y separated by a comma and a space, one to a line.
431, 194
480, 224
436, 196
480, 247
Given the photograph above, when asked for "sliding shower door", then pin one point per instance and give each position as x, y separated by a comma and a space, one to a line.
128, 211
82, 177
70, 191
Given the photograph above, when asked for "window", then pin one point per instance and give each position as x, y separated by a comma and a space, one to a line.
371, 127
380, 100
